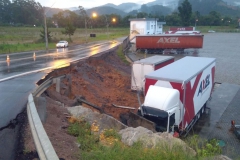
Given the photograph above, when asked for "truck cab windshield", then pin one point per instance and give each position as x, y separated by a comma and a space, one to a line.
159, 117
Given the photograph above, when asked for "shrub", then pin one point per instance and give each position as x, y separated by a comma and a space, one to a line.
204, 148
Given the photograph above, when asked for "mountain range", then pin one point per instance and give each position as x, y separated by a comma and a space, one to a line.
172, 4
164, 7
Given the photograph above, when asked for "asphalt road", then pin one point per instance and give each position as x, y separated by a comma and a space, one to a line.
22, 63
18, 78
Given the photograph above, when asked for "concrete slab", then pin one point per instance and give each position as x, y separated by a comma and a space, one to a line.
219, 102
225, 106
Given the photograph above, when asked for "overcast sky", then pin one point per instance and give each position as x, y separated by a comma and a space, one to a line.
85, 3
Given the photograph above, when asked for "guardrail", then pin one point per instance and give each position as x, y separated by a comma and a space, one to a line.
42, 143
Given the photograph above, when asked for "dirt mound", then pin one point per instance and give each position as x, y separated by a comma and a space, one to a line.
103, 81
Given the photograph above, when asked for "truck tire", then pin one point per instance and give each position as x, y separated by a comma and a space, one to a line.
124, 118
180, 51
160, 51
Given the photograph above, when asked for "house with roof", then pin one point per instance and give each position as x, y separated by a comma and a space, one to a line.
145, 26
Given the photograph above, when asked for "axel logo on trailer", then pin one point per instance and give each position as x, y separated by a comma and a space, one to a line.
204, 84
168, 40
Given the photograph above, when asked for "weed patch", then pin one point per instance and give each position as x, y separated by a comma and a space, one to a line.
91, 146
204, 148
29, 37
121, 55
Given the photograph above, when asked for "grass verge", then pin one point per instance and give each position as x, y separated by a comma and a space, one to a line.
204, 148
108, 146
13, 48
121, 55
19, 39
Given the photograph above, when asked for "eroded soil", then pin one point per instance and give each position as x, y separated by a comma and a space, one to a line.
102, 80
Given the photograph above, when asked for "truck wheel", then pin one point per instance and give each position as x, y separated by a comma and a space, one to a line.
124, 118
180, 51
160, 51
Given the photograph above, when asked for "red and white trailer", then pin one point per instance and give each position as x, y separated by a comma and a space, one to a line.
158, 43
177, 93
144, 66
183, 32
182, 29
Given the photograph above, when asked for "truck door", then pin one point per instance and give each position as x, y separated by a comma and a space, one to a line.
171, 122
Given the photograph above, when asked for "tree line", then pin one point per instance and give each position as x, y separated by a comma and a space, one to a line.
29, 12
21, 12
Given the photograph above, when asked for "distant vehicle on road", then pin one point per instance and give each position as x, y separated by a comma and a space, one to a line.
211, 31
62, 44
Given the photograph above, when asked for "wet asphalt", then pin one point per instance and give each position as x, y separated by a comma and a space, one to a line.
224, 103
18, 79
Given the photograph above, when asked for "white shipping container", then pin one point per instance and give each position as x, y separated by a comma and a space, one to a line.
144, 66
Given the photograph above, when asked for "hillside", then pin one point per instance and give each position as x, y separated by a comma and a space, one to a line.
164, 7
105, 10
232, 2
173, 4
127, 7
52, 11
206, 6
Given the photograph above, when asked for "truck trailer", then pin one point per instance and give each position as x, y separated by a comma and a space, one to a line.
182, 30
176, 94
158, 43
144, 66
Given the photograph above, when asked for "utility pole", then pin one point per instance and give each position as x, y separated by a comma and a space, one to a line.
85, 28
46, 34
84, 15
196, 23
107, 26
45, 26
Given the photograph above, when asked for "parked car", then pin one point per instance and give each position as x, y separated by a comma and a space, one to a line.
62, 44
211, 31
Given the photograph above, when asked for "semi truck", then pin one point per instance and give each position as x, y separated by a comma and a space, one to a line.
176, 94
144, 66
158, 43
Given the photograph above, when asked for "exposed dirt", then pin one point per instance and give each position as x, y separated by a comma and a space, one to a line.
103, 80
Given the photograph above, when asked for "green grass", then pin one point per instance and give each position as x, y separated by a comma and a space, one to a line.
205, 29
203, 147
11, 48
121, 55
120, 152
111, 133
82, 130
91, 147
17, 39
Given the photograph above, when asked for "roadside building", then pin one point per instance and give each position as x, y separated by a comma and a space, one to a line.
145, 26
